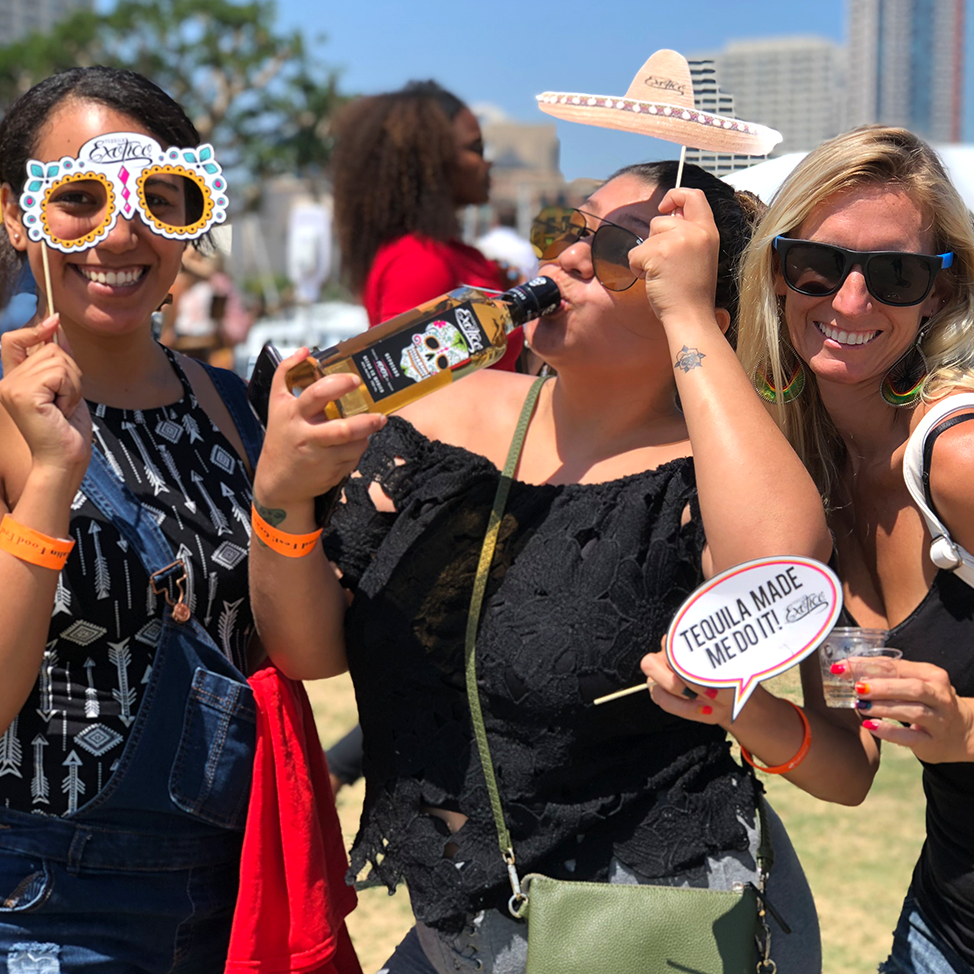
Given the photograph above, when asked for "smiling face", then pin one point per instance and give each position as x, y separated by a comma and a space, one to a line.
850, 337
113, 287
604, 325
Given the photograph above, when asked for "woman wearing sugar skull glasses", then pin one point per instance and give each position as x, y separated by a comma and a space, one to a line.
123, 641
609, 524
857, 320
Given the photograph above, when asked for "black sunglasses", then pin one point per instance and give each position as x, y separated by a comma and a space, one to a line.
893, 278
556, 228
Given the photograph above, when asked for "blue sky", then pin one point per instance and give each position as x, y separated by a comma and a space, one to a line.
507, 51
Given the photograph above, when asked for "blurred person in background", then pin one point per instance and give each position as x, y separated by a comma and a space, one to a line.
505, 245
19, 308
206, 316
405, 162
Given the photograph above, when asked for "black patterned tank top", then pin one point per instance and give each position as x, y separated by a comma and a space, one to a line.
64, 744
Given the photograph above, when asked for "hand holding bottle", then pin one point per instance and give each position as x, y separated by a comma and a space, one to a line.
41, 392
425, 349
678, 260
305, 453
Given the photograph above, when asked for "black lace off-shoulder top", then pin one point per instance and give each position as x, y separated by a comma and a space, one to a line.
585, 581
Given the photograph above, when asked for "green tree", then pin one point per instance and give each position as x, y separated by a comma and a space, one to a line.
257, 94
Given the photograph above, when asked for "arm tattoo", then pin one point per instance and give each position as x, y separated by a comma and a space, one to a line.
274, 516
689, 358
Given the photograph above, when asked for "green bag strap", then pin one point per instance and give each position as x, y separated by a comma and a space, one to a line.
765, 855
473, 621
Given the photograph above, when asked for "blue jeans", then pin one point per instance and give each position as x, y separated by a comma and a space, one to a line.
917, 949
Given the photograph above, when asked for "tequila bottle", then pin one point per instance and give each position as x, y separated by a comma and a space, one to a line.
422, 350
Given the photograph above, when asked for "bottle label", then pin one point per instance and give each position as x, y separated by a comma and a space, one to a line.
440, 343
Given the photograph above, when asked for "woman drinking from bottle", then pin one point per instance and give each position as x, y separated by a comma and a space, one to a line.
637, 480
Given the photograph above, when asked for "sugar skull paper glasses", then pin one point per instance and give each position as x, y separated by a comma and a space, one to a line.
74, 203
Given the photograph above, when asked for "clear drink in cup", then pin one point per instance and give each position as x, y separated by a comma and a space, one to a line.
844, 642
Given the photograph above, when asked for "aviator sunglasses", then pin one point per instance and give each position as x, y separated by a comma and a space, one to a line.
556, 228
893, 278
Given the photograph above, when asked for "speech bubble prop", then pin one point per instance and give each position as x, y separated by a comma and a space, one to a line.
752, 622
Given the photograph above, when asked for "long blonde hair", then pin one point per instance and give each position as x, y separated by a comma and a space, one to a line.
874, 154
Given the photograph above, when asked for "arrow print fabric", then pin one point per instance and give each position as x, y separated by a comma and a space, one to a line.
61, 749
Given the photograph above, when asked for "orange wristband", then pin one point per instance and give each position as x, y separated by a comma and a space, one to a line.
291, 545
32, 546
796, 760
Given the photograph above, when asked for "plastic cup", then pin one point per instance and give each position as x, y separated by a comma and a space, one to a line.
845, 642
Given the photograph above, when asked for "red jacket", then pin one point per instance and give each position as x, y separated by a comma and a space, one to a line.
293, 900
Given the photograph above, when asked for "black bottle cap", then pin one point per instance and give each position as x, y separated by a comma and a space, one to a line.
532, 300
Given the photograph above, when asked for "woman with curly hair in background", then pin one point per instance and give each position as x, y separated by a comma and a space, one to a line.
405, 162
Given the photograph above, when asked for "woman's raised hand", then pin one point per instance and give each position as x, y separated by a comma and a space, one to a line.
41, 392
939, 723
679, 259
674, 695
305, 453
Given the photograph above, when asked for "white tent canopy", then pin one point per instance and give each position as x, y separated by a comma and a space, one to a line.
764, 178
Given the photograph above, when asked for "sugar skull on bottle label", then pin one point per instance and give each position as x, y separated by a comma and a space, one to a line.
439, 347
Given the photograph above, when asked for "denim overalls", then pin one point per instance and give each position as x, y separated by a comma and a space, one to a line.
144, 876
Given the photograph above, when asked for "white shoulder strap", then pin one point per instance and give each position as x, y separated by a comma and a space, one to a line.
944, 553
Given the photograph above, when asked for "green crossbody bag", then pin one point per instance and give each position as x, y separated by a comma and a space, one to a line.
606, 928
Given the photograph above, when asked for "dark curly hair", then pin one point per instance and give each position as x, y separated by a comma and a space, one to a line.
735, 213
124, 91
393, 163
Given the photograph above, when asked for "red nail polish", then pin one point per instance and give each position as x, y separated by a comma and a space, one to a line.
863, 688
705, 710
838, 668
870, 724
711, 693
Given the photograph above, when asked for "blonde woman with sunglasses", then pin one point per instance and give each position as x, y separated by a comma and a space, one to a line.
625, 498
857, 320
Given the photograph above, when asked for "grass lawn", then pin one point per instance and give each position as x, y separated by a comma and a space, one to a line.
858, 860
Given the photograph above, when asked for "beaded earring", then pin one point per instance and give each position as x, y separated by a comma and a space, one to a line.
793, 388
902, 383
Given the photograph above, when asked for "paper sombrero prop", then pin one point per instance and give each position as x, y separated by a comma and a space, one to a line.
659, 103
73, 203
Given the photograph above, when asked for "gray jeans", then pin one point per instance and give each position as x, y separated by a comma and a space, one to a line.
496, 943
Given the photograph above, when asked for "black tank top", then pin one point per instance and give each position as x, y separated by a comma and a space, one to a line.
941, 631
64, 744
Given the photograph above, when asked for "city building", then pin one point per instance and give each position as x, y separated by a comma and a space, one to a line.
20, 17
792, 84
525, 174
906, 65
709, 97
